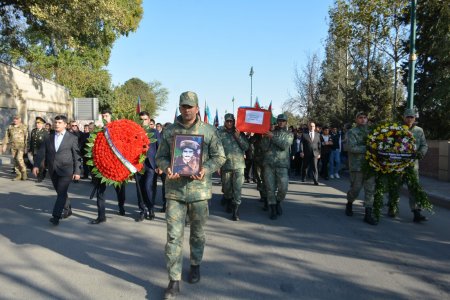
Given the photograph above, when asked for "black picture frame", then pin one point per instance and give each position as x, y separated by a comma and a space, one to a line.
187, 152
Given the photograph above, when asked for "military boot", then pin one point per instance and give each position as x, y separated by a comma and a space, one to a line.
229, 206
349, 209
392, 212
235, 216
418, 217
368, 218
173, 290
266, 205
18, 177
24, 175
279, 209
273, 212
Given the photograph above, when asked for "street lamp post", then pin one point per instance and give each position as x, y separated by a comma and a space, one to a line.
412, 56
251, 86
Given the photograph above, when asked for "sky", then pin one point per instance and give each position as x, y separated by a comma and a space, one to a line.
209, 46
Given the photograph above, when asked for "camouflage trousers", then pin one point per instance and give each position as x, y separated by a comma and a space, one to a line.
175, 217
19, 163
357, 181
276, 181
412, 199
259, 171
232, 181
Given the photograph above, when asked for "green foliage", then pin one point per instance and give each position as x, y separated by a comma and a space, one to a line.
432, 87
152, 95
68, 41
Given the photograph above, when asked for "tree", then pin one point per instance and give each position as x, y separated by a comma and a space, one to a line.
307, 88
432, 86
124, 102
66, 41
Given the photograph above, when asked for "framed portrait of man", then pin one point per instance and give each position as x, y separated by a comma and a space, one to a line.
187, 154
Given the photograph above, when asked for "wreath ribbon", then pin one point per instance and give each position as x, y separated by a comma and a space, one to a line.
119, 155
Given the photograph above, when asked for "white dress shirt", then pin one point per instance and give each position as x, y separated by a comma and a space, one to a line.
58, 139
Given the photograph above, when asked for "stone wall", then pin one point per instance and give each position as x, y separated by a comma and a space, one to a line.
30, 96
436, 163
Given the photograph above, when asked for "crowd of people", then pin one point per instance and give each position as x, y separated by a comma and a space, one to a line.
267, 159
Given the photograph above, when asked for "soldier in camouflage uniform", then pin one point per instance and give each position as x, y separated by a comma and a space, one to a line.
409, 118
37, 137
357, 140
235, 144
187, 194
17, 135
277, 145
258, 164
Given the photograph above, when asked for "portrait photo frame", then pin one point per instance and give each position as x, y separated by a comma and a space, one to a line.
187, 152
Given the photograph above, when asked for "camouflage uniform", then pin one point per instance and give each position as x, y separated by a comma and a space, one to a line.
276, 164
357, 138
421, 148
185, 195
37, 137
258, 164
232, 171
18, 137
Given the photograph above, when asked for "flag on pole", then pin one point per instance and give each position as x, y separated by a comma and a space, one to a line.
273, 120
251, 72
257, 103
138, 105
216, 119
206, 115
176, 115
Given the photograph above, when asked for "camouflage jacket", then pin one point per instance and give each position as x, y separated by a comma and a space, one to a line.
17, 136
277, 149
357, 145
234, 149
421, 142
213, 157
37, 137
258, 152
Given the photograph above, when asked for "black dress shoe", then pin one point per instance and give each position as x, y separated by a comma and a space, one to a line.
316, 183
98, 221
54, 221
303, 179
173, 290
140, 218
194, 274
150, 215
67, 213
121, 211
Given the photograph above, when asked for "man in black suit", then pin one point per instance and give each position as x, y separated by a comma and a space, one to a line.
310, 151
62, 155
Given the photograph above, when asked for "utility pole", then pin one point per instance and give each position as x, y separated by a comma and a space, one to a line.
251, 86
412, 56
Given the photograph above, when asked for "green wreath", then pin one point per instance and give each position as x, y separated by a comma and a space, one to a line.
390, 157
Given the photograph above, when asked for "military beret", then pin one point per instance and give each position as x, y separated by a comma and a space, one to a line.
229, 117
410, 112
189, 144
281, 117
40, 120
189, 98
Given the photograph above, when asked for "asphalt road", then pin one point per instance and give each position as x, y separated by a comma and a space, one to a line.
313, 251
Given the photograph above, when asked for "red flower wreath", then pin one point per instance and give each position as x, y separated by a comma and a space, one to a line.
129, 140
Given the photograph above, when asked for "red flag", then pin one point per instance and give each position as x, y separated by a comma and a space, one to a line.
257, 103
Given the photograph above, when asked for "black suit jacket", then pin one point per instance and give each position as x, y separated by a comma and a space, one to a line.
66, 161
308, 147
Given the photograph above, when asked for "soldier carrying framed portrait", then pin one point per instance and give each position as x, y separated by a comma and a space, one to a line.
187, 154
